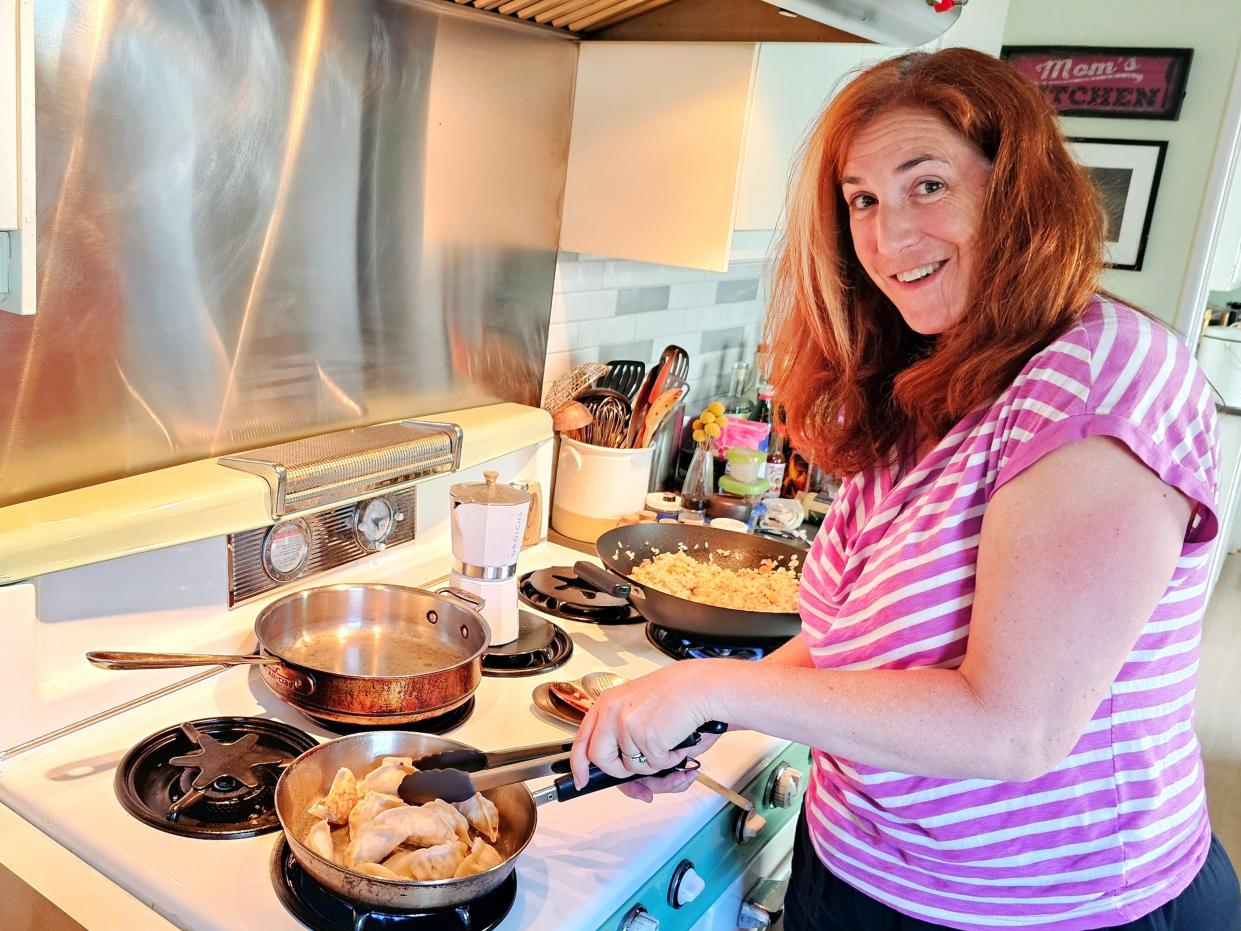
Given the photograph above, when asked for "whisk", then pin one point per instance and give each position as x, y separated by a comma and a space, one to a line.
611, 423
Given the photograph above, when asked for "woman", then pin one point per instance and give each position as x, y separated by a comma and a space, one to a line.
1002, 612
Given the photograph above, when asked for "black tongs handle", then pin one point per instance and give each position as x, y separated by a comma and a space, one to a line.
598, 779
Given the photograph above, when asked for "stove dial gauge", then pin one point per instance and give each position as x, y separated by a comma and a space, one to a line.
784, 785
639, 919
373, 523
686, 885
286, 549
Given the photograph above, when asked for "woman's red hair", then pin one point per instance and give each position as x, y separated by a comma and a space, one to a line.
852, 378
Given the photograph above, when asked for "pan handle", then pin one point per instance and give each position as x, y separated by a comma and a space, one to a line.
605, 581
460, 594
108, 659
563, 789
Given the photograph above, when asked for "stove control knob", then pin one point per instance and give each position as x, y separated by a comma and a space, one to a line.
639, 919
784, 785
686, 885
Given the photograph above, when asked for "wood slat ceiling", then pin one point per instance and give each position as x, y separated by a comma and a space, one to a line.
676, 20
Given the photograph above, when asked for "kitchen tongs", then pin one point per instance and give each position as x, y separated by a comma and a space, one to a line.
456, 775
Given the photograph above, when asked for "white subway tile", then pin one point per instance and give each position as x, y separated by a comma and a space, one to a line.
588, 305
658, 323
562, 337
606, 331
638, 274
692, 294
579, 276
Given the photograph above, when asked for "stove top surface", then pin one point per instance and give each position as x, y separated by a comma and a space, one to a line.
559, 592
214, 777
541, 646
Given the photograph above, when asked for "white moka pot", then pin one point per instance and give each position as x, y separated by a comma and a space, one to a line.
488, 522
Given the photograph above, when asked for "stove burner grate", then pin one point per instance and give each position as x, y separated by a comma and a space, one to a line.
440, 724
214, 777
540, 646
680, 647
559, 592
322, 910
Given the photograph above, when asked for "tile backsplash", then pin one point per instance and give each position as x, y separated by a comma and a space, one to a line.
605, 309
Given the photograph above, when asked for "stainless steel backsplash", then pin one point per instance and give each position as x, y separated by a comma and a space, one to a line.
261, 220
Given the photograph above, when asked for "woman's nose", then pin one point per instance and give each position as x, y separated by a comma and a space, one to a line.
895, 229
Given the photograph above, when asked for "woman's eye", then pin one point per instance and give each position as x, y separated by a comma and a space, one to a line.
861, 201
929, 186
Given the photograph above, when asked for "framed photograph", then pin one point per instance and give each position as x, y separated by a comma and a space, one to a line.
1133, 83
1126, 173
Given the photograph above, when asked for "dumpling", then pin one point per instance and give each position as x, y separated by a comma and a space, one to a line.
319, 839
482, 814
438, 862
482, 856
372, 804
386, 777
405, 762
382, 834
378, 871
340, 799
453, 817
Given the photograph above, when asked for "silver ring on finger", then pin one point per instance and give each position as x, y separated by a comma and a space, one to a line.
638, 759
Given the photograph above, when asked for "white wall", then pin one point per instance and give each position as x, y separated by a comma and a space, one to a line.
1212, 28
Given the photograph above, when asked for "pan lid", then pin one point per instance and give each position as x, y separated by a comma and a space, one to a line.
488, 491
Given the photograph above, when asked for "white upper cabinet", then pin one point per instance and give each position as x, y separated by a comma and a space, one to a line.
658, 130
17, 270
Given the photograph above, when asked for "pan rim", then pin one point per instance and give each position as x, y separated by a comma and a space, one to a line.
271, 608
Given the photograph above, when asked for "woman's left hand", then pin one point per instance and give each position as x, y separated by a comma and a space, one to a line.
632, 728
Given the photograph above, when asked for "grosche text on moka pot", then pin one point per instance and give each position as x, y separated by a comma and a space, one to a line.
488, 523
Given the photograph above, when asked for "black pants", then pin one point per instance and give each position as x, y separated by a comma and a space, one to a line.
818, 901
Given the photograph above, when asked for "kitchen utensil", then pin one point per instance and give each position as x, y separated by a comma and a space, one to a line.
457, 785
488, 521
660, 409
472, 761
623, 548
357, 654
572, 383
306, 780
625, 376
608, 428
642, 401
594, 683
573, 416
545, 703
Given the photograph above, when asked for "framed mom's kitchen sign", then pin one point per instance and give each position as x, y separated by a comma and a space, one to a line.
1133, 83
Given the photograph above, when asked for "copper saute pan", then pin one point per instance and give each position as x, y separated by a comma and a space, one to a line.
307, 779
357, 654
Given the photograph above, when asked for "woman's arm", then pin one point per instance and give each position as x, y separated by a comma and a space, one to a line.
1075, 554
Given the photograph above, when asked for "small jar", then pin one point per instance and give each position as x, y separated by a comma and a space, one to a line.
665, 505
744, 463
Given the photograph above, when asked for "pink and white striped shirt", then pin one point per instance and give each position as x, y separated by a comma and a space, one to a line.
1120, 826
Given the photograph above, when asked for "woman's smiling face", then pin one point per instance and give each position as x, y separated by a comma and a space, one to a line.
915, 188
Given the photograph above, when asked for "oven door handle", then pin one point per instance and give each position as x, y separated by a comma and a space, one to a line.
763, 904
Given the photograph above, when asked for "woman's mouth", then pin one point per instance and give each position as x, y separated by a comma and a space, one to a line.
921, 273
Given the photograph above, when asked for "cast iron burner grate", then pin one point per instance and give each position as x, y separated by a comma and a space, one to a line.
539, 647
323, 910
681, 647
440, 724
214, 777
559, 592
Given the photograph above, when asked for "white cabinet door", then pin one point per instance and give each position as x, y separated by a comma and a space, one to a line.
658, 129
793, 85
1229, 493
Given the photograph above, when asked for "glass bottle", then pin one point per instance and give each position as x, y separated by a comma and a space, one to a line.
699, 484
736, 404
775, 465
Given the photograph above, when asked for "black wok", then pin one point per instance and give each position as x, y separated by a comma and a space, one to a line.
623, 548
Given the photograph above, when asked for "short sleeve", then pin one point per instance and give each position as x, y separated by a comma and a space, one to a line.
1122, 375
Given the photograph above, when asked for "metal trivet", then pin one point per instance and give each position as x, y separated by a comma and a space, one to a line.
323, 910
440, 724
558, 591
540, 646
213, 777
679, 647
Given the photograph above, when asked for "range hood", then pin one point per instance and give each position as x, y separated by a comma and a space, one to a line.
899, 23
